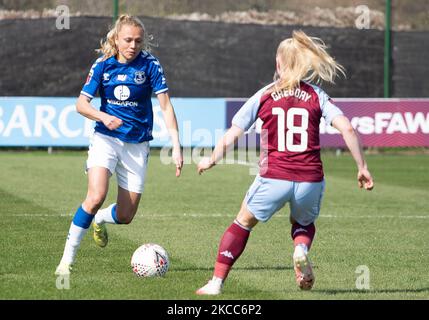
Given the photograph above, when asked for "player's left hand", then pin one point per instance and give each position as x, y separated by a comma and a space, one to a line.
178, 160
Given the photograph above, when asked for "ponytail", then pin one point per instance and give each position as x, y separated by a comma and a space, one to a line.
304, 58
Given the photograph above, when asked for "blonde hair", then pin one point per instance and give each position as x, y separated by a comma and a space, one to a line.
108, 47
304, 58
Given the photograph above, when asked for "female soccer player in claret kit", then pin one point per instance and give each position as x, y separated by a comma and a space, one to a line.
125, 76
290, 165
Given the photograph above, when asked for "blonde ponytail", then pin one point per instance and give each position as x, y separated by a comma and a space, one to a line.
304, 58
108, 47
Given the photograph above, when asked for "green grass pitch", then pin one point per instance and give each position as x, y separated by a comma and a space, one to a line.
385, 230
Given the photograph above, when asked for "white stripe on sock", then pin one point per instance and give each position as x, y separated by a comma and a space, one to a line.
241, 226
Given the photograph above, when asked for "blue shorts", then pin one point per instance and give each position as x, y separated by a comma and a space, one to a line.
267, 196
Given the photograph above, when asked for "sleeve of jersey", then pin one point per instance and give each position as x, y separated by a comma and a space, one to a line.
93, 80
248, 113
329, 109
157, 78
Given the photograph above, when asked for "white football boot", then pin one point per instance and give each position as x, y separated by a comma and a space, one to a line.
303, 270
63, 269
212, 288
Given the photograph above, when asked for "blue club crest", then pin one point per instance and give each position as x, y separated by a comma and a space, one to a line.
139, 77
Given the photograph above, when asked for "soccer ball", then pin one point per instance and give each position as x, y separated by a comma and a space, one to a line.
150, 260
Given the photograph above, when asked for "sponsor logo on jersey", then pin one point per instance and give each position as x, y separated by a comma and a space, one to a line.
88, 78
227, 254
139, 77
122, 77
123, 103
121, 92
106, 76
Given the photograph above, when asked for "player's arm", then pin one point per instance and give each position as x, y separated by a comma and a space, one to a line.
342, 124
171, 123
241, 122
222, 147
84, 107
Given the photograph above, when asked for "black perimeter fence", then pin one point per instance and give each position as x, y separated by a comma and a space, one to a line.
204, 59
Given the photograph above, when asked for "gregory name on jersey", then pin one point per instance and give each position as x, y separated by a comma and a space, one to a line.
298, 93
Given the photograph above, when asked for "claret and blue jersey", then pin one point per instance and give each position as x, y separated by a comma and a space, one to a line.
125, 90
290, 130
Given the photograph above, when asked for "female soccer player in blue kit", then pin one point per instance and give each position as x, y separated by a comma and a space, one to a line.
125, 77
290, 165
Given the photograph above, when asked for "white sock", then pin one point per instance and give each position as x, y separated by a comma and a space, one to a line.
217, 280
105, 215
72, 244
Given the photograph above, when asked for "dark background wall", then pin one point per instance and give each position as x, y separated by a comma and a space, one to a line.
203, 59
410, 64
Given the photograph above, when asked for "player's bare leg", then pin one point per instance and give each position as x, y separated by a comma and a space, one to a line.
98, 186
121, 212
98, 180
127, 205
231, 246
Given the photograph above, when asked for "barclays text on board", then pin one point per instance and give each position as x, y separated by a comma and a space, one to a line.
39, 121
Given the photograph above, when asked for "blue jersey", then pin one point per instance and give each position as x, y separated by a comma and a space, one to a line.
125, 90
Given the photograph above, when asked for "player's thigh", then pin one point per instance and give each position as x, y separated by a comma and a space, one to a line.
98, 180
103, 152
266, 196
306, 201
132, 166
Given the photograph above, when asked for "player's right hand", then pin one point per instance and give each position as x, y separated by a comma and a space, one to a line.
111, 122
365, 179
178, 160
204, 165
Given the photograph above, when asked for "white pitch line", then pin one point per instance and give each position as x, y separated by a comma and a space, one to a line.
374, 217
246, 163
223, 215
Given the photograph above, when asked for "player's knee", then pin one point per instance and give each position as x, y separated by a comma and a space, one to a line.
126, 220
247, 220
94, 202
125, 217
